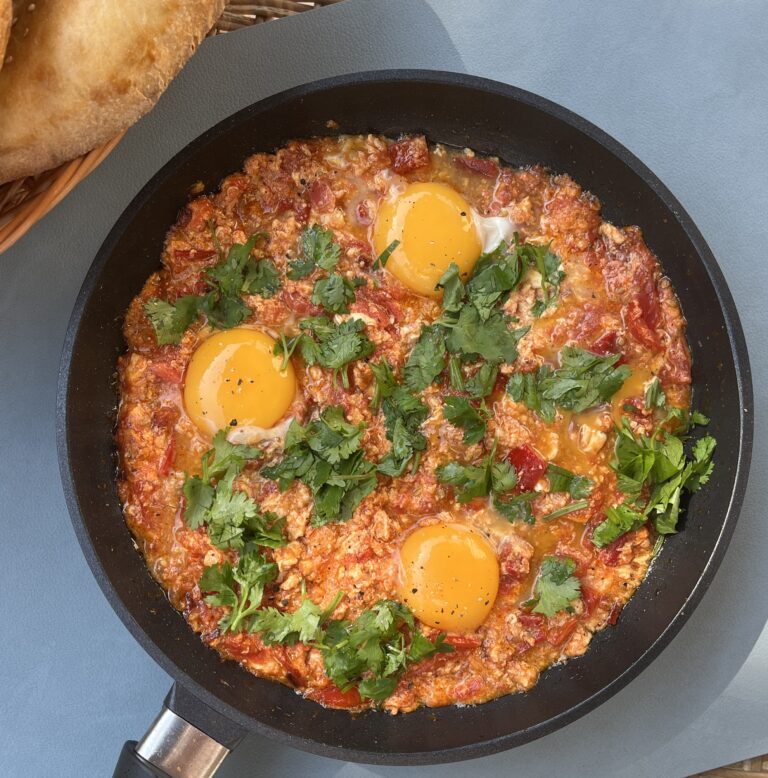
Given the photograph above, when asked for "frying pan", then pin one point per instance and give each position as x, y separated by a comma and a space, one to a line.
214, 703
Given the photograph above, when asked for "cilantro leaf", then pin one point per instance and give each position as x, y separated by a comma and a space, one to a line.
480, 480
476, 338
582, 381
556, 587
427, 359
261, 277
654, 396
304, 625
619, 519
481, 384
548, 265
562, 480
332, 346
383, 258
526, 388
494, 276
461, 413
171, 320
335, 293
232, 519
318, 249
241, 588
517, 507
656, 466
326, 456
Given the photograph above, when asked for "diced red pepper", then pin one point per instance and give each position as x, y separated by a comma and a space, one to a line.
534, 623
529, 465
591, 599
613, 616
166, 372
332, 697
166, 460
482, 165
559, 635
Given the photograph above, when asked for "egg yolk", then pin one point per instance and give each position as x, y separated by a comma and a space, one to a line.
234, 379
449, 576
435, 227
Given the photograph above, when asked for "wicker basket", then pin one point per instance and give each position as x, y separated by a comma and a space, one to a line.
25, 201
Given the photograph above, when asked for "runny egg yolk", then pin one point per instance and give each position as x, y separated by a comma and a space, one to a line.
234, 379
449, 576
435, 227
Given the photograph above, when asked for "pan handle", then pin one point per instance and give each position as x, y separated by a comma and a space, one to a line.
188, 739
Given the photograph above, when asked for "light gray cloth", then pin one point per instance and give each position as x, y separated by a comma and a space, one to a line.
683, 84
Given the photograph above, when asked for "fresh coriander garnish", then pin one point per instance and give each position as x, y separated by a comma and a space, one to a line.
562, 480
582, 381
336, 292
232, 519
318, 249
460, 412
404, 413
171, 320
332, 346
326, 456
548, 265
516, 508
566, 509
659, 465
383, 258
556, 587
654, 396
369, 653
471, 481
240, 588
238, 273
427, 359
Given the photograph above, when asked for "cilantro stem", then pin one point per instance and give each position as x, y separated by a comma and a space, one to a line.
564, 511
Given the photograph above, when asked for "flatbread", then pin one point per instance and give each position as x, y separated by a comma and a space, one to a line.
6, 15
80, 71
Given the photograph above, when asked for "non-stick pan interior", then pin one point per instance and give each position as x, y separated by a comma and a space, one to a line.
522, 130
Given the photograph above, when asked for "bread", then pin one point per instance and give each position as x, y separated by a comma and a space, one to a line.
6, 15
77, 72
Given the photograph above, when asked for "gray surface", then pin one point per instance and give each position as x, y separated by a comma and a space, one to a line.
683, 85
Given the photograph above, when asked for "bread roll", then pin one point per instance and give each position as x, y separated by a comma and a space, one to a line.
79, 71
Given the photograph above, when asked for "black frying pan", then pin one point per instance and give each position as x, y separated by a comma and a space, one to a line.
221, 699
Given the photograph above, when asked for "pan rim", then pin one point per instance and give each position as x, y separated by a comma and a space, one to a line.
735, 337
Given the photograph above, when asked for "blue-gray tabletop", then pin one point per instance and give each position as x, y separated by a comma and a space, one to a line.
683, 84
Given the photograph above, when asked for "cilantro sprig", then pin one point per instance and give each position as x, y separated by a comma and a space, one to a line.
404, 413
336, 292
659, 467
238, 273
317, 249
460, 412
582, 381
369, 653
240, 588
556, 587
330, 345
490, 476
232, 519
326, 456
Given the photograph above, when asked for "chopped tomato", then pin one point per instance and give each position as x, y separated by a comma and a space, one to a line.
529, 465
332, 697
193, 254
591, 599
299, 303
613, 616
534, 623
559, 635
409, 154
485, 167
166, 372
321, 196
461, 642
166, 460
607, 344
200, 212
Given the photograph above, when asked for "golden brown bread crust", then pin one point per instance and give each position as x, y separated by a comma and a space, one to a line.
6, 16
87, 69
